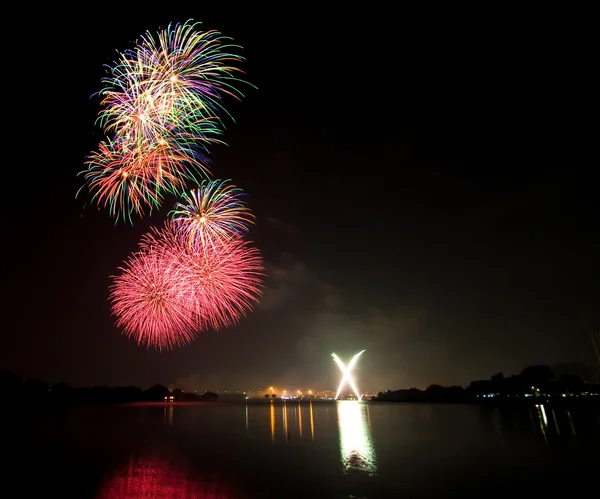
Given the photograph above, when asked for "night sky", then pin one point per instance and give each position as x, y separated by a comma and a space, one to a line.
425, 185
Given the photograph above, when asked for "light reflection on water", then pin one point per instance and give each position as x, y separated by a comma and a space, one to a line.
284, 449
161, 478
356, 444
296, 409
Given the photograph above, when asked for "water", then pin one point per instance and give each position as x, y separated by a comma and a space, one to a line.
344, 449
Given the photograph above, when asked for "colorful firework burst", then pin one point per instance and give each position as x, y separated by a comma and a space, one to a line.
162, 104
169, 79
212, 214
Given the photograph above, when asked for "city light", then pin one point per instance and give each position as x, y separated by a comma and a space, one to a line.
347, 370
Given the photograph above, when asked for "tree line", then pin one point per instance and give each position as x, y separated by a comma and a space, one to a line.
533, 384
13, 389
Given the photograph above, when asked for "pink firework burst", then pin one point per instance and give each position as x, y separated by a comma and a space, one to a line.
224, 281
169, 291
147, 302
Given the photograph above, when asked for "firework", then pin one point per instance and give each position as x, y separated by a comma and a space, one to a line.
220, 282
133, 178
147, 302
214, 213
161, 103
176, 80
170, 291
224, 281
347, 370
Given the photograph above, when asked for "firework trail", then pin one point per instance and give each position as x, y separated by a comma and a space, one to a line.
212, 214
162, 103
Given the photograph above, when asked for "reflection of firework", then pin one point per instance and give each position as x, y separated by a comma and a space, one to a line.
356, 443
157, 478
214, 212
170, 291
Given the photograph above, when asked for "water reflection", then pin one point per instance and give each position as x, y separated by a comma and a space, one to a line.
542, 420
286, 432
553, 424
168, 415
356, 444
160, 478
272, 421
297, 420
312, 421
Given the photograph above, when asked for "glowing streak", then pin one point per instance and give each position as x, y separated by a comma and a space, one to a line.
312, 421
272, 422
356, 443
347, 374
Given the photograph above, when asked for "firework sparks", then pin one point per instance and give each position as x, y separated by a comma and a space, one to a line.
347, 370
169, 291
224, 281
147, 302
212, 214
162, 103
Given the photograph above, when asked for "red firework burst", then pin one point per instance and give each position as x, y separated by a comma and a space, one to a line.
223, 281
147, 302
169, 291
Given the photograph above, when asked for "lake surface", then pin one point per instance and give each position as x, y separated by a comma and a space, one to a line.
344, 449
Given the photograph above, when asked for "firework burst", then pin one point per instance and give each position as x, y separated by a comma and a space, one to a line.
169, 291
161, 103
214, 213
223, 281
170, 78
147, 302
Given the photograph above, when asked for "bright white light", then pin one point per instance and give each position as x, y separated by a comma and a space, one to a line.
347, 370
356, 444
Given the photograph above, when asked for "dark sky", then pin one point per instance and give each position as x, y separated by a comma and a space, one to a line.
425, 184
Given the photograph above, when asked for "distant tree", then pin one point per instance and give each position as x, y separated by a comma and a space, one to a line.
99, 393
570, 383
480, 387
61, 392
35, 389
177, 393
156, 393
10, 383
122, 394
539, 376
273, 395
267, 396
208, 395
434, 389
